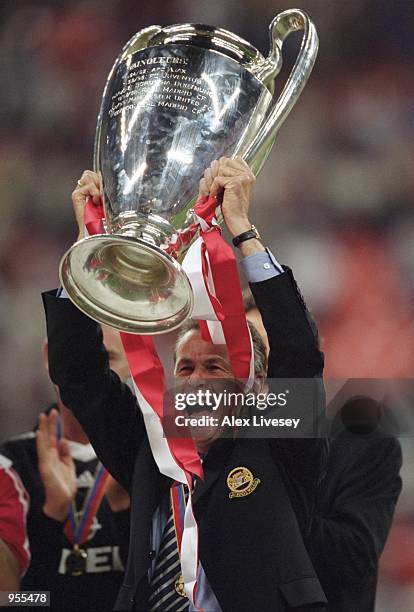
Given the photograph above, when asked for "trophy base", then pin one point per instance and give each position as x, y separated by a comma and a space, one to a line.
126, 283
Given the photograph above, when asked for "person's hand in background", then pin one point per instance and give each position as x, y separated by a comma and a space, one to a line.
56, 467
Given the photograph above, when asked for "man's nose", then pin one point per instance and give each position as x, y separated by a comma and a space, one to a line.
196, 378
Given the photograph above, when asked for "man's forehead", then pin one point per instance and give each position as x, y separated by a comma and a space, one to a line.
192, 345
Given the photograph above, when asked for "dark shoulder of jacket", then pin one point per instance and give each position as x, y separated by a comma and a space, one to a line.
378, 451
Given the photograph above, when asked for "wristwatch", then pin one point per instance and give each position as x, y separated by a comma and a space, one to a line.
248, 235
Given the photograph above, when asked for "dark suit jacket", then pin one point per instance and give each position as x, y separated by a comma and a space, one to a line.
251, 548
353, 517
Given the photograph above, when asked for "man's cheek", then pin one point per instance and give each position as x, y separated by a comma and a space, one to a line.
180, 401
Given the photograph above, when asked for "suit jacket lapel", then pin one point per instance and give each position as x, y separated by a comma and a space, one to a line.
212, 466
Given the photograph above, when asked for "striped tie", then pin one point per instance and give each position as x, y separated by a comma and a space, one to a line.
164, 595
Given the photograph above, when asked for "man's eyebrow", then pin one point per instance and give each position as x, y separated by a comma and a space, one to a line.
184, 361
216, 358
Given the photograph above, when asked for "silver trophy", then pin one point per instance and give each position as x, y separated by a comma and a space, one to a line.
176, 99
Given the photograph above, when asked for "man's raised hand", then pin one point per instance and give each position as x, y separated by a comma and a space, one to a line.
235, 178
89, 186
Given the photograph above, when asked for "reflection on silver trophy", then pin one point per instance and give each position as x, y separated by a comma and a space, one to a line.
176, 99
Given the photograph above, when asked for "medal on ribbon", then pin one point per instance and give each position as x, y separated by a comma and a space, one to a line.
77, 529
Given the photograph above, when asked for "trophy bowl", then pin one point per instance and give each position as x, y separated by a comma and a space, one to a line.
176, 98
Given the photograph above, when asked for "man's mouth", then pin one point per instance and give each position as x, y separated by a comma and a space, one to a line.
196, 409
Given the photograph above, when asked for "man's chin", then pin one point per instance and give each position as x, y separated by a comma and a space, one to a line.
204, 433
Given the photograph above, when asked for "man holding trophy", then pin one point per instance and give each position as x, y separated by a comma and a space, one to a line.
107, 410
218, 525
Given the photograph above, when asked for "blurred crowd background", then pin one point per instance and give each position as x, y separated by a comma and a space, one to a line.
335, 200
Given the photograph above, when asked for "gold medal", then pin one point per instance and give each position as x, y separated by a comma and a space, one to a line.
179, 586
241, 482
76, 562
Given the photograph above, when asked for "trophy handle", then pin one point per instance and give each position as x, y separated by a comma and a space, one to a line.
282, 25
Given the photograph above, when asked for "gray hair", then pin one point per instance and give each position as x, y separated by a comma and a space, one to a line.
259, 349
248, 300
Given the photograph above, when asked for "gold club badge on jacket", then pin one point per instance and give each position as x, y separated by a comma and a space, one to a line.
241, 482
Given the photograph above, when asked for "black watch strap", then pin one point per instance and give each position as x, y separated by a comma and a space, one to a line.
248, 235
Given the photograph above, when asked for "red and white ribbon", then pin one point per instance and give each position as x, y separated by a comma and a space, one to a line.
218, 306
211, 267
175, 457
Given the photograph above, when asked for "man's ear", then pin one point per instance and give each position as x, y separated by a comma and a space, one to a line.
45, 352
260, 384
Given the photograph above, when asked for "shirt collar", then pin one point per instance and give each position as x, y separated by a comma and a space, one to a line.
81, 452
